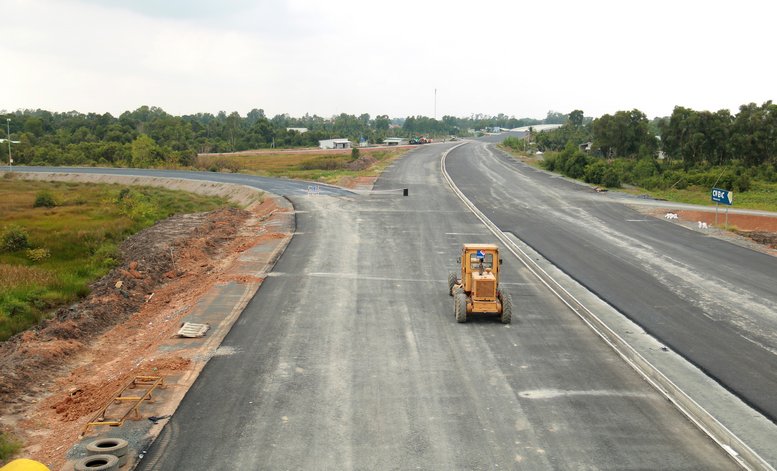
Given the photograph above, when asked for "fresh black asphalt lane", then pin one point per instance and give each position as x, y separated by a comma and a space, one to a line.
711, 301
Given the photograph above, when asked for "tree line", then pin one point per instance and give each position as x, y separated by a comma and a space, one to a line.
718, 138
687, 148
149, 136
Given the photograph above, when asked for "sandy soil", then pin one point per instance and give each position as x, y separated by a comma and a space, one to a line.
357, 183
756, 232
55, 377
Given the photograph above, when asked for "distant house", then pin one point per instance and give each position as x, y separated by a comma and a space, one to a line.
334, 144
393, 141
299, 130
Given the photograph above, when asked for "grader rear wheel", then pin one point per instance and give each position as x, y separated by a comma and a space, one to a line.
507, 306
452, 280
460, 307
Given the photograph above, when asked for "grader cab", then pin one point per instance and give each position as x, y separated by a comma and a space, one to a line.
476, 289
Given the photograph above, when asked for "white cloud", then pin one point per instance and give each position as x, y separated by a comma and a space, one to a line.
351, 56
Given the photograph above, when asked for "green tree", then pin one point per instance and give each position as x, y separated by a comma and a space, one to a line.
754, 132
624, 134
382, 122
145, 152
576, 118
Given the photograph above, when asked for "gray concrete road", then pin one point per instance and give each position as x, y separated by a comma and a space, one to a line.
349, 357
713, 302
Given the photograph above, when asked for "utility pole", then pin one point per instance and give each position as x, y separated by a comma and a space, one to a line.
435, 104
8, 131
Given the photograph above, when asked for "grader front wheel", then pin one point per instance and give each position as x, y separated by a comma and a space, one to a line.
460, 307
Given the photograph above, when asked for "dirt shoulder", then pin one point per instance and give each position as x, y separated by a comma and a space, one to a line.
55, 377
755, 232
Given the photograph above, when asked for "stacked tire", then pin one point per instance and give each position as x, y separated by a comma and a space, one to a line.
105, 454
98, 463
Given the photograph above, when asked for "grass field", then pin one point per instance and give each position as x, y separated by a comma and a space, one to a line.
761, 195
326, 166
71, 244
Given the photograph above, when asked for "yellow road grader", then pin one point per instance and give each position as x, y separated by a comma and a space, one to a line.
477, 290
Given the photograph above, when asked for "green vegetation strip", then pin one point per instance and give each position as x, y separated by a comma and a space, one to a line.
58, 237
755, 187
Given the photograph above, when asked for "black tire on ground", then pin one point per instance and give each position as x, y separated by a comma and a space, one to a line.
460, 306
507, 306
108, 446
98, 463
117, 447
452, 280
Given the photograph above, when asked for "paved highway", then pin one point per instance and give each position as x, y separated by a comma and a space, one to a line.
349, 357
713, 302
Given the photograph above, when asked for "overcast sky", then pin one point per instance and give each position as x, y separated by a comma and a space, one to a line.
515, 57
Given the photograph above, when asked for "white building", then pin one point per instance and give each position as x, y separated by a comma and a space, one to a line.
334, 144
299, 130
393, 141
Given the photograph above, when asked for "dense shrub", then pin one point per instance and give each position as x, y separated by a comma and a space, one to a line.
44, 199
742, 183
9, 445
645, 168
14, 238
549, 162
514, 143
38, 255
594, 172
573, 161
611, 178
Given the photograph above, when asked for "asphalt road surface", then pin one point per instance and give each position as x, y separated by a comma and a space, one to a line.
713, 302
349, 357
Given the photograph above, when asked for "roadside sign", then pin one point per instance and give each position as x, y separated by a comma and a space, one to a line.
480, 255
722, 196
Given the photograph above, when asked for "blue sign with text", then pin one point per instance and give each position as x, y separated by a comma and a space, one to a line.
722, 196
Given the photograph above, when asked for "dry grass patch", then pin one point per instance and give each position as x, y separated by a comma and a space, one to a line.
14, 276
